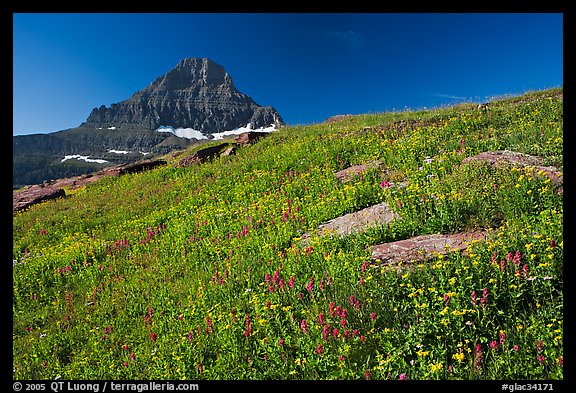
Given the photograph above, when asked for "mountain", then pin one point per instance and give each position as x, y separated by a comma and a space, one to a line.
197, 96
197, 93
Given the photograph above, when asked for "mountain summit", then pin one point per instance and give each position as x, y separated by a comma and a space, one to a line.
198, 93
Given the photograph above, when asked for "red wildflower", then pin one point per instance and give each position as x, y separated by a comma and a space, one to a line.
473, 298
326, 332
539, 346
335, 333
478, 356
304, 326
310, 285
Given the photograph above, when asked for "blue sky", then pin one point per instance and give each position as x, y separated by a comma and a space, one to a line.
308, 66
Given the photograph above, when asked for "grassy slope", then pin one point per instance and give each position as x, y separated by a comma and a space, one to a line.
175, 273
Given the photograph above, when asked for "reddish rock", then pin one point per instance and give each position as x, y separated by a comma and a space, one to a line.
247, 138
356, 170
140, 166
517, 159
357, 222
422, 247
229, 151
33, 195
201, 155
337, 118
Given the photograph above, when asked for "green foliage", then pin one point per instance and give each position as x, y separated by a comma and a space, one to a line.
200, 272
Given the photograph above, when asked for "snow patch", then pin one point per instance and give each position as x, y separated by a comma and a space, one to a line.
241, 130
191, 133
143, 153
84, 158
188, 133
119, 151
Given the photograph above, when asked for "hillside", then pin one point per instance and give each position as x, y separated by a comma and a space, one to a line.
220, 270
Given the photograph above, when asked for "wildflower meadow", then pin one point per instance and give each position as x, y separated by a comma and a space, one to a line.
205, 273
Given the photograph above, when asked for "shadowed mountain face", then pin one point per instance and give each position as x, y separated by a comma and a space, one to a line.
197, 93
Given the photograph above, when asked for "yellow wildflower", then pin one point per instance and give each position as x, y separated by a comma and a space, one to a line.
458, 356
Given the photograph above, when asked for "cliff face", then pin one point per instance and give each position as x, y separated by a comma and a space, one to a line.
197, 93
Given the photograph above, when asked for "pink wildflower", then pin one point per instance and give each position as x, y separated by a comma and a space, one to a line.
304, 326
310, 285
335, 333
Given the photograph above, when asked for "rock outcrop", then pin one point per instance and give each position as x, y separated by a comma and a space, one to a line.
356, 222
197, 93
517, 159
202, 155
37, 193
422, 247
350, 173
247, 138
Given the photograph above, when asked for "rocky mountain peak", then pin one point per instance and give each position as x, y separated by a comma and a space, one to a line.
197, 93
192, 71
